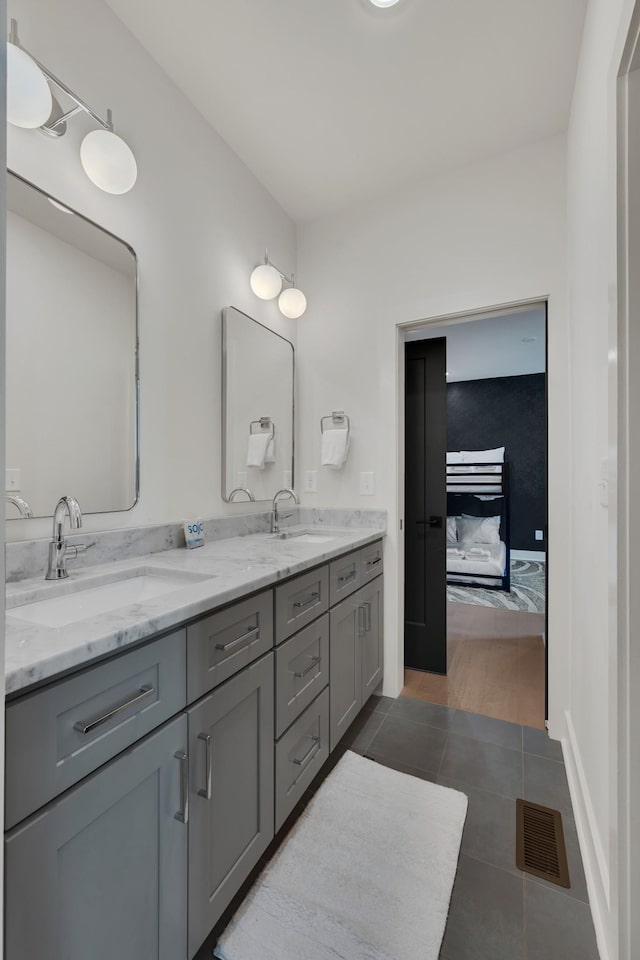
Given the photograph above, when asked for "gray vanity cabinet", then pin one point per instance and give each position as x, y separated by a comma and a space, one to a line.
371, 601
231, 821
345, 685
101, 871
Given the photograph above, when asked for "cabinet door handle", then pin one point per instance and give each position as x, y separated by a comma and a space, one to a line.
305, 603
314, 663
251, 631
206, 793
367, 619
86, 726
183, 813
348, 577
311, 752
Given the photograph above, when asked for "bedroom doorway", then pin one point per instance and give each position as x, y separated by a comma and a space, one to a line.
492, 575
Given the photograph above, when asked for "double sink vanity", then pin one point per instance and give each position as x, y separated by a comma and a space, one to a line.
165, 715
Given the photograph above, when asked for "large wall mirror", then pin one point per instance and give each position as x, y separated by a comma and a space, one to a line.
72, 347
257, 409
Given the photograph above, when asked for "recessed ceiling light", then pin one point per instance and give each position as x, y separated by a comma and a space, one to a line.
59, 206
383, 3
528, 339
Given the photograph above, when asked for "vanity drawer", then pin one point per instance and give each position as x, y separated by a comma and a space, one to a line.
371, 561
300, 754
58, 735
302, 671
345, 576
301, 600
227, 641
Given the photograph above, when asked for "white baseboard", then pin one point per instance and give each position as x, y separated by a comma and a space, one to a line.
538, 555
593, 856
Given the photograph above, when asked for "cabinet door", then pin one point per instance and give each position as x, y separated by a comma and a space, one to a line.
345, 685
370, 599
101, 872
232, 792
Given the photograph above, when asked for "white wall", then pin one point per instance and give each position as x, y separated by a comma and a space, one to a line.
484, 235
199, 222
592, 710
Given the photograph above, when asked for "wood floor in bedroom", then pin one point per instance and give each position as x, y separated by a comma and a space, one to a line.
496, 665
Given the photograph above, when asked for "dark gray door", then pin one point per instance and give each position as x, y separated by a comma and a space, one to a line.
232, 792
101, 872
425, 597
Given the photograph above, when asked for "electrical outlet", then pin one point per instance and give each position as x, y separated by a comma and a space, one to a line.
286, 478
539, 535
366, 485
311, 481
242, 478
13, 480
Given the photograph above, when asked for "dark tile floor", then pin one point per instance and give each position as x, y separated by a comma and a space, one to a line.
497, 912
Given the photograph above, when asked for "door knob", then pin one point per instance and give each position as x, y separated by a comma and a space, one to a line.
433, 522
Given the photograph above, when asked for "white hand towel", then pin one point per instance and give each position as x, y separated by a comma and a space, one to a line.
455, 552
270, 455
335, 448
257, 449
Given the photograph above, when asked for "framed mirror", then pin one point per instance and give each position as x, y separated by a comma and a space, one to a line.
258, 368
72, 358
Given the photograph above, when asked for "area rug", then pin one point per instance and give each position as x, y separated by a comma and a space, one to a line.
365, 874
527, 590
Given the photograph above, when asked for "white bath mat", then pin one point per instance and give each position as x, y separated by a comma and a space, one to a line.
365, 874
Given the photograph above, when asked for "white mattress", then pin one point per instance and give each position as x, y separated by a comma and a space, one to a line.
493, 566
470, 488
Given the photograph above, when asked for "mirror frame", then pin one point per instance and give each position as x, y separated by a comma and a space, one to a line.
136, 426
223, 489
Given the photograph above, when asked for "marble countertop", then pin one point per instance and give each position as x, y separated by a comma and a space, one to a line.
233, 568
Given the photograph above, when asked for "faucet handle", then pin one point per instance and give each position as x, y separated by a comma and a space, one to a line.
77, 548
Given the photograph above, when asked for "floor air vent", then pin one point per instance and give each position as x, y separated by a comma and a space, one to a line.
540, 848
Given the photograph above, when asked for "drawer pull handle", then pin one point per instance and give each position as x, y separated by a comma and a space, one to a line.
183, 813
348, 577
314, 663
251, 631
311, 752
206, 793
305, 603
372, 563
86, 726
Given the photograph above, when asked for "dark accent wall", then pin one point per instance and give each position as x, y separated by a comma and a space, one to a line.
507, 412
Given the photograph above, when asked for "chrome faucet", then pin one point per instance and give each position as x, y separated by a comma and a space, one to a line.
246, 490
58, 546
20, 504
275, 516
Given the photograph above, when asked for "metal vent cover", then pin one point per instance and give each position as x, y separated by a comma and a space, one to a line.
540, 846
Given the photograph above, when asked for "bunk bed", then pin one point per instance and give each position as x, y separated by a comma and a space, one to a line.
478, 522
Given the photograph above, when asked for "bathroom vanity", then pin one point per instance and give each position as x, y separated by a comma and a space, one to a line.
150, 764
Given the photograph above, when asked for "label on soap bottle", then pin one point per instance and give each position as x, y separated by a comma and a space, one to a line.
193, 533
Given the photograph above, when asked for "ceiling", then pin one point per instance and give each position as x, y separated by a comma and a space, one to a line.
333, 102
498, 346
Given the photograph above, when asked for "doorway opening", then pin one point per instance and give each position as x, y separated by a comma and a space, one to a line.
475, 514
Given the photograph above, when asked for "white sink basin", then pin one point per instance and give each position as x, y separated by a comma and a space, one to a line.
303, 536
90, 600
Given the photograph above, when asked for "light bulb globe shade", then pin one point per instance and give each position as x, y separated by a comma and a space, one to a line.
108, 161
29, 100
266, 282
292, 303
384, 3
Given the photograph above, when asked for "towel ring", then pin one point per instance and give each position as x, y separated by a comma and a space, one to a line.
338, 419
264, 423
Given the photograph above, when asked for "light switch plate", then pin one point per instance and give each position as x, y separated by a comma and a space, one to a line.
539, 535
366, 484
311, 481
13, 480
